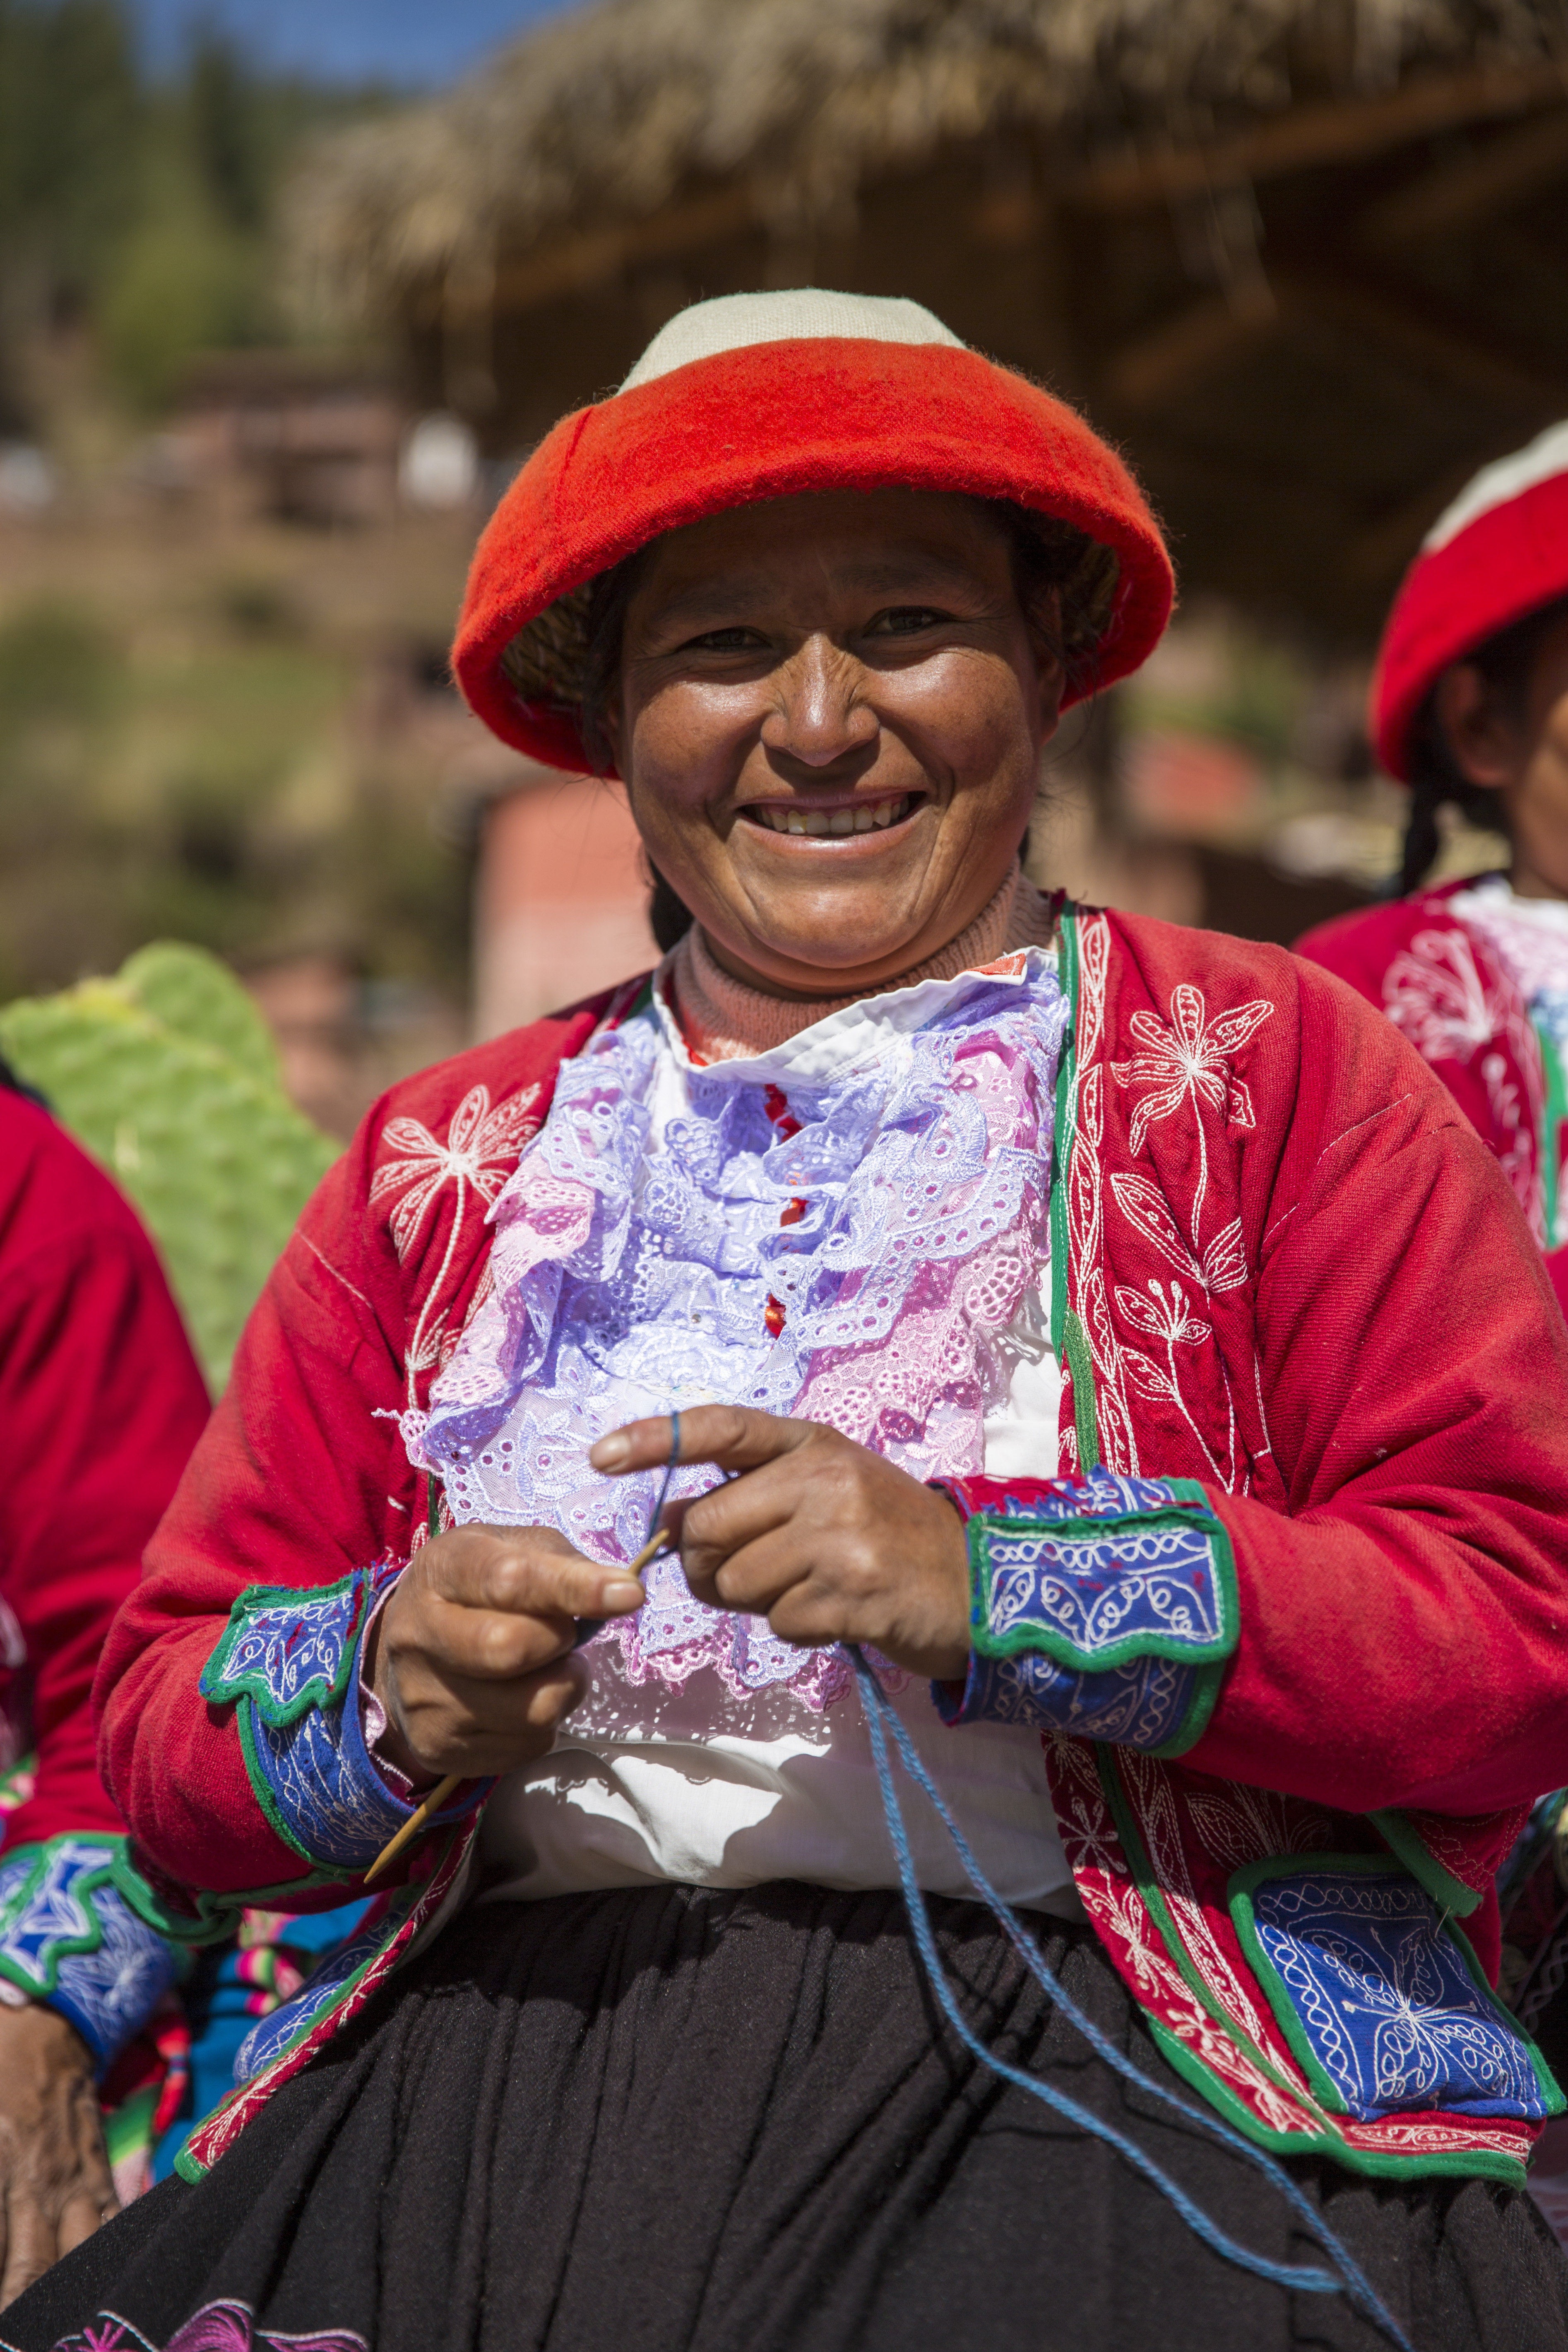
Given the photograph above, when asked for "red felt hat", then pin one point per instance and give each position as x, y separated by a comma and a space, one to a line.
761, 396
1499, 551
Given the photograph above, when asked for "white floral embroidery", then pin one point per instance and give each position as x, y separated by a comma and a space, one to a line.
1082, 1137
478, 1155
1188, 1062
1236, 1824
1433, 993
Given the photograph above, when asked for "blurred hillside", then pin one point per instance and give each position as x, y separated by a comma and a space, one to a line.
223, 608
135, 216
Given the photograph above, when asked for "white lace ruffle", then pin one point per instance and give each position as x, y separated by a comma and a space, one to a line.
645, 1250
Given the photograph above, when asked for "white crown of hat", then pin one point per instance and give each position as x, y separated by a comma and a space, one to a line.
1509, 478
728, 322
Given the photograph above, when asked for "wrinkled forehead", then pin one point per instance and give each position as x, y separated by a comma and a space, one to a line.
834, 541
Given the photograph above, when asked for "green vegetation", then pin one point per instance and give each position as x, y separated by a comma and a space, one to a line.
200, 777
168, 1074
142, 211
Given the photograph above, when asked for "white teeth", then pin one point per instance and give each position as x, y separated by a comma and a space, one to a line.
875, 817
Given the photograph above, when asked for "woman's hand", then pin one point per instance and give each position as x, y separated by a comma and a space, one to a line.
828, 1541
55, 2183
473, 1659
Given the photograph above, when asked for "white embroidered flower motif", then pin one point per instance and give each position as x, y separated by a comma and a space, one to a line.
1224, 1265
1190, 1059
480, 1148
1435, 994
1167, 1316
478, 1155
1188, 1062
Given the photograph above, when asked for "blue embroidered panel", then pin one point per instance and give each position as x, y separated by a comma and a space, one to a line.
273, 2034
334, 1807
1382, 1995
68, 1937
1102, 1572
1142, 1705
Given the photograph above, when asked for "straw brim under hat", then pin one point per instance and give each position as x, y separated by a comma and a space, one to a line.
753, 397
1498, 552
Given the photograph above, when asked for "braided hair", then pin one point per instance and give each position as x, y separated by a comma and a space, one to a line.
1436, 780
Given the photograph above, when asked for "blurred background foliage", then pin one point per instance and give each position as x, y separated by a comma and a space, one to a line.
224, 713
140, 208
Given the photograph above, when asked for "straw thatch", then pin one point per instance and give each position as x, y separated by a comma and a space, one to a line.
614, 109
1303, 256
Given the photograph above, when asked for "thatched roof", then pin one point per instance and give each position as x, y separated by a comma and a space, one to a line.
613, 110
1194, 214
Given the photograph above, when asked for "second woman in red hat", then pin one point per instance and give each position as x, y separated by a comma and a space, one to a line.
1470, 709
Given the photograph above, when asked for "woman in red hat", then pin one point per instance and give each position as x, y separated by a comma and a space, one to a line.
875, 1518
1470, 709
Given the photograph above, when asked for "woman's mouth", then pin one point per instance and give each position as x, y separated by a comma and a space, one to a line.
849, 817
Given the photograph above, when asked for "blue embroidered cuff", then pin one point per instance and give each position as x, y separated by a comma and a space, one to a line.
1101, 1606
289, 1661
70, 1938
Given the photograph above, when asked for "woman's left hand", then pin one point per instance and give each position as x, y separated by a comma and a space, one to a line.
825, 1539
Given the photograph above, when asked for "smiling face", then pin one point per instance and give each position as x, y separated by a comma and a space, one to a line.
830, 719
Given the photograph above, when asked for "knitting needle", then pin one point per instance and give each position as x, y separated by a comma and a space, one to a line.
413, 1825
438, 1795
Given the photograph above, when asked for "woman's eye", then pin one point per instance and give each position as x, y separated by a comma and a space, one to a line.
906, 620
724, 641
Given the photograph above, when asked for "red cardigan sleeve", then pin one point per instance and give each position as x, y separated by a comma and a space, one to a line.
293, 1482
1371, 1612
301, 1478
1404, 1621
100, 1403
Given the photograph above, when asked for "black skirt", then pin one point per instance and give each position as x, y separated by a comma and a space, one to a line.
682, 2121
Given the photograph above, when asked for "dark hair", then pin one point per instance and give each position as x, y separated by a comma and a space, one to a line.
1064, 581
1437, 779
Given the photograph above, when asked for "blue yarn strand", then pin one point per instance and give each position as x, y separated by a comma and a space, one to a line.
588, 1626
880, 1720
657, 1513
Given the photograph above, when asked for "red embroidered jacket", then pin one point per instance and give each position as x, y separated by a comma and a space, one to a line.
100, 1403
1303, 1325
1441, 983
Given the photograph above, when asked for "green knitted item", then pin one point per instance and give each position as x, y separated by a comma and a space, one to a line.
168, 1074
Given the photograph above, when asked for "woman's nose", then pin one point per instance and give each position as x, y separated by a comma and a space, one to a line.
818, 714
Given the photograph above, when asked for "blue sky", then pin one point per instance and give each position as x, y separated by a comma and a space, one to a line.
412, 41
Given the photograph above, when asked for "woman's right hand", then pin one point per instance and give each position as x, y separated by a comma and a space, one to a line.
473, 1662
